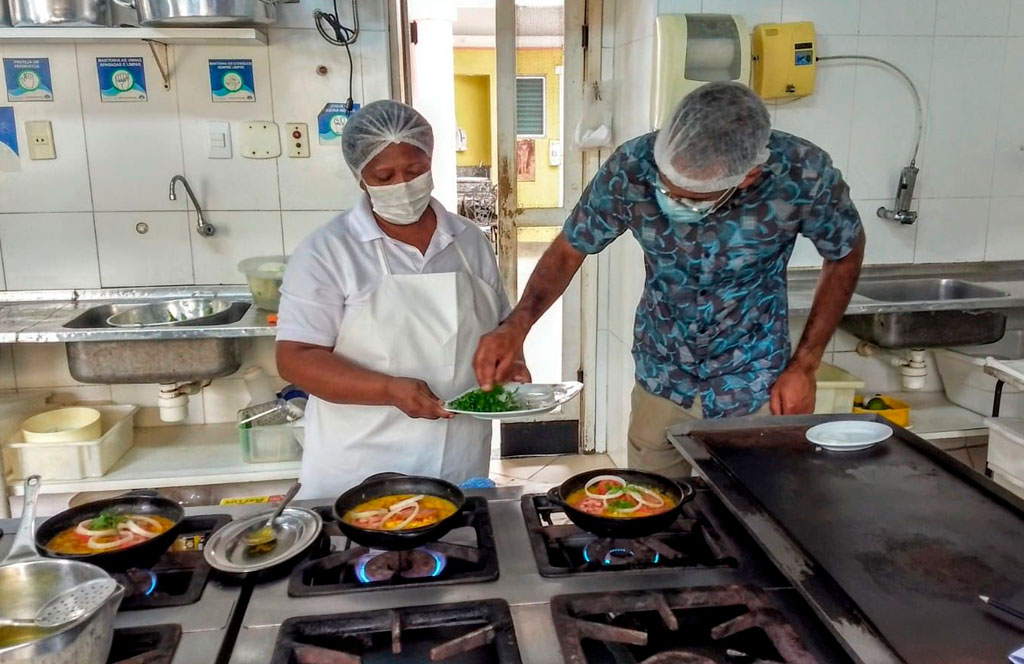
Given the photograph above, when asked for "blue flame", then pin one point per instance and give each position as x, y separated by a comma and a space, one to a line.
625, 553
439, 564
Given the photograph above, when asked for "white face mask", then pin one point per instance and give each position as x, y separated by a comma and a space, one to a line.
402, 203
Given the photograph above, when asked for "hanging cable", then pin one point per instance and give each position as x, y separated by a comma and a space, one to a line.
334, 32
919, 109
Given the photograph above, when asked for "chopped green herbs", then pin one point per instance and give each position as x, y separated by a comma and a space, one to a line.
105, 521
498, 400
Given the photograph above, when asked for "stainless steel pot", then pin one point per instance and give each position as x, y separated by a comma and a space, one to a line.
59, 12
5, 14
28, 581
203, 12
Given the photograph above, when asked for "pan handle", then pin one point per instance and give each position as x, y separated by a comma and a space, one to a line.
688, 492
554, 495
24, 547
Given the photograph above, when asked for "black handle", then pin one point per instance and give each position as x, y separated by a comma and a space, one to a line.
390, 475
555, 496
141, 493
688, 492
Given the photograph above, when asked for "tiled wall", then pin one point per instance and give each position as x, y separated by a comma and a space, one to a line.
114, 160
71, 222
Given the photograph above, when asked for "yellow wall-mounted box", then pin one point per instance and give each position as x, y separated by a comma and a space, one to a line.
783, 60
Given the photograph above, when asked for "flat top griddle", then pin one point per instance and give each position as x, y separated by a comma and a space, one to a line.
908, 535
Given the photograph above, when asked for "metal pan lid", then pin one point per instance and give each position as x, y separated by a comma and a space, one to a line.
296, 529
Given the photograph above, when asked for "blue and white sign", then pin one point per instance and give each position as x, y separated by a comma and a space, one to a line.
331, 122
232, 80
122, 79
28, 79
9, 159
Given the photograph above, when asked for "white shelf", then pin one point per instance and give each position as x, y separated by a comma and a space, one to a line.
191, 455
934, 417
163, 35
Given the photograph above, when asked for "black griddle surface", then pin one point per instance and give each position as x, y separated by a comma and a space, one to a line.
910, 537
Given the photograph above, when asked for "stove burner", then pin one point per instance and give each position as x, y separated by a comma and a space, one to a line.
138, 582
384, 565
152, 644
612, 553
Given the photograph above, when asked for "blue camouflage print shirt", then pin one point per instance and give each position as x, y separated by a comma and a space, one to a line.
713, 318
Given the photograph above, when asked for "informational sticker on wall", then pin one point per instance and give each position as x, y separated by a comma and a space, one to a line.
28, 79
9, 159
331, 122
122, 79
232, 80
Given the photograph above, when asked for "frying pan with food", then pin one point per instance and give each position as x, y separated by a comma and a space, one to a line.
142, 554
619, 527
392, 484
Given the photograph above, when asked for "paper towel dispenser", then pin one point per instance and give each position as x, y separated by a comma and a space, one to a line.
694, 49
783, 60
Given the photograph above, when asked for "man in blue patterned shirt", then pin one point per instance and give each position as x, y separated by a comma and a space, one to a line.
716, 200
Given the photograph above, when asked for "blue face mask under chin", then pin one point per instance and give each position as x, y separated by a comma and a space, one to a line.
678, 213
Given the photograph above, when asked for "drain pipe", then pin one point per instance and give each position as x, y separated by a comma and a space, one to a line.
911, 362
173, 399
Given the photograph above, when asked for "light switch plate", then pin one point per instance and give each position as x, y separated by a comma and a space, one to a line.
40, 140
259, 139
296, 134
218, 140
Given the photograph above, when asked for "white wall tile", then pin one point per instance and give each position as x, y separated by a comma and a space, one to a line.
1016, 23
160, 257
834, 17
632, 89
825, 116
134, 147
897, 17
844, 341
321, 182
297, 224
887, 241
634, 20
7, 381
805, 254
36, 188
216, 180
80, 394
372, 14
752, 11
375, 71
677, 6
951, 230
49, 250
260, 352
1005, 230
876, 371
239, 235
223, 399
1008, 170
42, 365
960, 139
883, 119
972, 17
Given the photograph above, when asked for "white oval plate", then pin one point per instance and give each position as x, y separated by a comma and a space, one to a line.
848, 435
539, 398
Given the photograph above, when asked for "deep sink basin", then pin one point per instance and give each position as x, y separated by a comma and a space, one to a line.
927, 328
153, 361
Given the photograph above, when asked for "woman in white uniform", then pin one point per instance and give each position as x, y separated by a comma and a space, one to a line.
381, 311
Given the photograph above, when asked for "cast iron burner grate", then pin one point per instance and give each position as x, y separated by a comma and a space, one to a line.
560, 548
335, 564
466, 633
153, 644
179, 576
734, 624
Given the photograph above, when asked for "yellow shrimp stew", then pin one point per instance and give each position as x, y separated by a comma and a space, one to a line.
108, 532
611, 496
400, 512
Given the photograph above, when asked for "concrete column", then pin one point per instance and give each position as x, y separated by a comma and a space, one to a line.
432, 65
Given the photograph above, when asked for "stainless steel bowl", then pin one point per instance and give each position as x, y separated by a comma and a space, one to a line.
28, 581
194, 311
203, 13
58, 12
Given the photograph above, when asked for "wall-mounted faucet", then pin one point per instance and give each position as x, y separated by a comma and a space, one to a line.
204, 229
901, 211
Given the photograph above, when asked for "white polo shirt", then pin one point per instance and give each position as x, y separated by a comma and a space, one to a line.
336, 268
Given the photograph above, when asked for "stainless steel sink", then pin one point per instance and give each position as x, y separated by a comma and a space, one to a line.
153, 361
925, 290
923, 327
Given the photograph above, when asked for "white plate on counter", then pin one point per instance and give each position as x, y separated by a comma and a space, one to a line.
537, 398
848, 435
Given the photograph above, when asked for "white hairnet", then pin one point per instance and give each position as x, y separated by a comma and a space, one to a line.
379, 124
717, 134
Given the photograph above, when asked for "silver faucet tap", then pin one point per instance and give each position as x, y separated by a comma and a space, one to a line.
204, 229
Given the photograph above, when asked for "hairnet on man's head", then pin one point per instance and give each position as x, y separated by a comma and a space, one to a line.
716, 135
379, 124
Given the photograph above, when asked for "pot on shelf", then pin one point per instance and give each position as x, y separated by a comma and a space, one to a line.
25, 13
202, 13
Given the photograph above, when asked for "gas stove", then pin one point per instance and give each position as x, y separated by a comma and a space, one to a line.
154, 644
335, 564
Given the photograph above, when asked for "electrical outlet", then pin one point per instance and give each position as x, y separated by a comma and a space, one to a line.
40, 140
297, 136
259, 139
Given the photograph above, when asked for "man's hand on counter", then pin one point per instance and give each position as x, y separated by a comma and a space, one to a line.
793, 392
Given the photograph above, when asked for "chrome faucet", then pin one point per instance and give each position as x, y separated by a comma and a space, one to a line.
204, 229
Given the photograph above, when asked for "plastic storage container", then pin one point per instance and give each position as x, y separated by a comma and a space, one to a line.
836, 389
265, 274
76, 460
269, 437
967, 385
898, 412
1006, 447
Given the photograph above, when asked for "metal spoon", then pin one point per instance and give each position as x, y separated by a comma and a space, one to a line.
263, 537
68, 606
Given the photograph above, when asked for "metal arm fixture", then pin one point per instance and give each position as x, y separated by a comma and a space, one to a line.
204, 229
